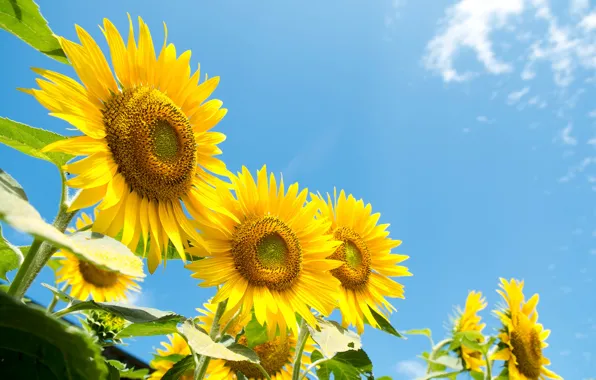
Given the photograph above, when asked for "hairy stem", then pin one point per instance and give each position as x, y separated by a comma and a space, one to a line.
203, 361
303, 335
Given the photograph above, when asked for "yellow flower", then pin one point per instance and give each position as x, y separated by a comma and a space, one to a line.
269, 252
103, 274
367, 259
145, 136
522, 337
178, 346
469, 320
234, 323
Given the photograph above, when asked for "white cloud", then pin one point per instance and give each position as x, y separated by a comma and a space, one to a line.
588, 23
141, 299
566, 137
516, 96
412, 369
484, 119
579, 6
468, 24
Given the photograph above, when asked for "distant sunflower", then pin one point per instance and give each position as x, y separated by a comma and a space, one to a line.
268, 251
234, 323
176, 346
276, 355
104, 275
522, 338
469, 320
367, 259
149, 152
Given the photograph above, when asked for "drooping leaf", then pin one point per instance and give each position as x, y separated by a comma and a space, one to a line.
39, 340
174, 358
255, 333
384, 324
425, 332
347, 365
161, 326
12, 185
128, 373
202, 344
23, 19
31, 140
10, 257
332, 338
185, 366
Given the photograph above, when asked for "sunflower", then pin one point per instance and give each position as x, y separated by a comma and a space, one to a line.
176, 346
522, 339
106, 275
365, 252
276, 355
148, 151
469, 320
269, 252
233, 323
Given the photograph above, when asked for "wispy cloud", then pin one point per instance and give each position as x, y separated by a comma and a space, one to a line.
485, 120
516, 96
565, 135
411, 369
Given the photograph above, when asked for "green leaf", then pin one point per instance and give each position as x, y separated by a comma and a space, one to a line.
384, 324
477, 375
346, 365
174, 358
128, 373
425, 332
202, 344
31, 140
10, 257
12, 185
255, 333
385, 378
113, 373
446, 361
23, 19
439, 375
332, 338
40, 340
185, 366
161, 326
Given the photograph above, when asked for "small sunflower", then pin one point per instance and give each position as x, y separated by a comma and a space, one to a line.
148, 151
234, 323
469, 320
176, 346
367, 259
276, 355
522, 338
268, 251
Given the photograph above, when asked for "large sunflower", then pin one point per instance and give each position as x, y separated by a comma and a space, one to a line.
469, 320
522, 338
145, 136
176, 346
276, 355
268, 251
104, 275
367, 259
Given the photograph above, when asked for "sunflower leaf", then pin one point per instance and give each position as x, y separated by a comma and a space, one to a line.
255, 333
440, 375
185, 366
384, 378
346, 365
446, 361
10, 257
161, 326
174, 358
31, 140
12, 185
128, 373
384, 324
23, 19
35, 345
202, 344
332, 338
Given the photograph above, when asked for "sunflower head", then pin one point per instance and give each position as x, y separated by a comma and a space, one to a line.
366, 257
268, 251
469, 320
234, 322
176, 346
522, 339
105, 326
148, 150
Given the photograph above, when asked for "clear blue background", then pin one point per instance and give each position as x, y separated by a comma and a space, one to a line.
335, 93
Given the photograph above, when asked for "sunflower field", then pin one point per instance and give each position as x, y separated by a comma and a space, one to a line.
142, 185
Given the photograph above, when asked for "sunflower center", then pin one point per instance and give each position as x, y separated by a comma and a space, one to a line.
527, 348
273, 355
267, 253
96, 276
355, 271
152, 143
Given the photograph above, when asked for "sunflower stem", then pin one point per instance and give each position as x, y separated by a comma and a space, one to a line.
302, 338
55, 299
489, 365
436, 348
313, 365
203, 361
263, 371
41, 251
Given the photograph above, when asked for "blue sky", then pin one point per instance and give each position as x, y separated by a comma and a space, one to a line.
469, 126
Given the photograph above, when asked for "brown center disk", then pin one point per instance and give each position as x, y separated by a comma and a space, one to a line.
354, 273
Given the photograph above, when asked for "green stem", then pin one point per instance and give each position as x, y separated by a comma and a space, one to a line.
489, 364
437, 347
203, 361
55, 299
263, 371
40, 252
313, 365
303, 335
